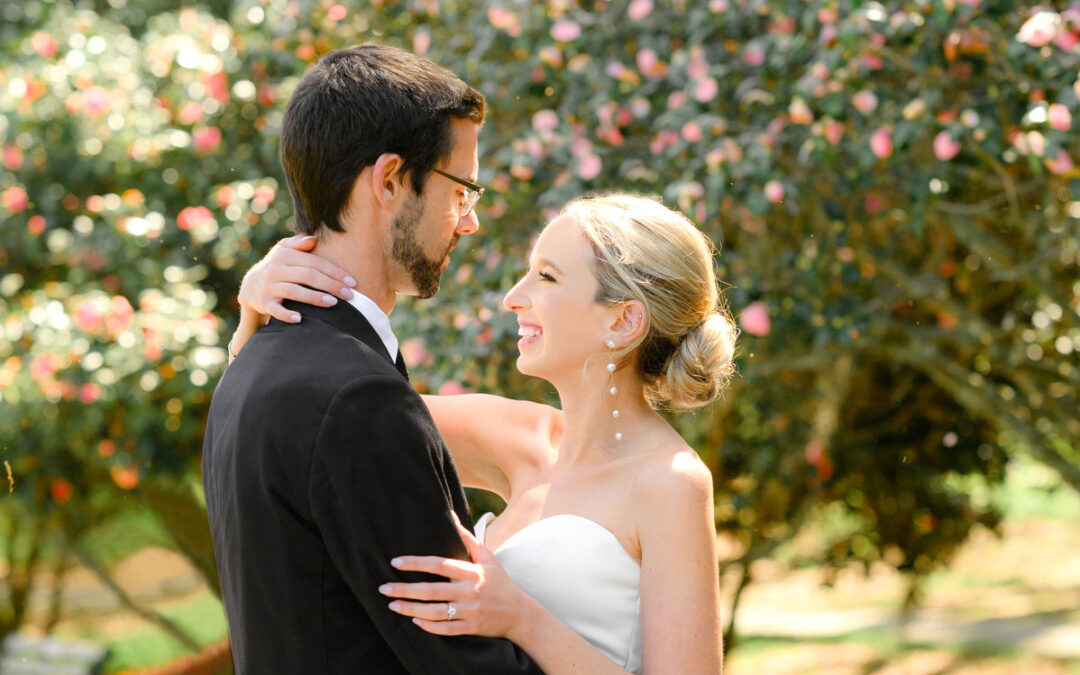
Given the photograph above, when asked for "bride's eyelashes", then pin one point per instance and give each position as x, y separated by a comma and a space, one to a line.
544, 276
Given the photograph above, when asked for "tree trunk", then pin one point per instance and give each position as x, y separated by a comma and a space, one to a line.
184, 517
149, 614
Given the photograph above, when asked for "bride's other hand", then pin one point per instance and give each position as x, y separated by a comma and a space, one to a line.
290, 272
486, 602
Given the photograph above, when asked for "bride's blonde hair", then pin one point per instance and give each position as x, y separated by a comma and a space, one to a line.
647, 252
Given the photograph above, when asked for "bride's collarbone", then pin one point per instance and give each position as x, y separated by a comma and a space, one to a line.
606, 504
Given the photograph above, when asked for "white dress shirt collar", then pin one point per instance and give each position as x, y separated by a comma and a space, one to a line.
378, 320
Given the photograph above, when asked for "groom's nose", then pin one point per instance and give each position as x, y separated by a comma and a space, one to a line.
468, 225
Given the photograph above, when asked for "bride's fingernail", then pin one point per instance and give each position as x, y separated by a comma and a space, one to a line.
384, 589
329, 300
349, 281
396, 562
395, 605
295, 318
346, 292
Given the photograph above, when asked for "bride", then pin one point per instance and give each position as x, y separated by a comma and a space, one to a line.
604, 559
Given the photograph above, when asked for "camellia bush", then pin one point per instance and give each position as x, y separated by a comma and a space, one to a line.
889, 184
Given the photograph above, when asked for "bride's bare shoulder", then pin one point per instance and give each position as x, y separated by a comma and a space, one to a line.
672, 479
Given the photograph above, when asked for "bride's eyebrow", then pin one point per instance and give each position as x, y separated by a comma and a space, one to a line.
544, 262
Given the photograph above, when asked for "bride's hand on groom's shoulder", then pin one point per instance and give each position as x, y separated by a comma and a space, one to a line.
484, 599
291, 272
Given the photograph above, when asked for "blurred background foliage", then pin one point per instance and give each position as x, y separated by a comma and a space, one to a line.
890, 185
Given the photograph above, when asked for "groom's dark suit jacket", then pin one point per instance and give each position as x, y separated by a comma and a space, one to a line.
320, 464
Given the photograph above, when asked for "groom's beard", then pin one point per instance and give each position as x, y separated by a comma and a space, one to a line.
407, 252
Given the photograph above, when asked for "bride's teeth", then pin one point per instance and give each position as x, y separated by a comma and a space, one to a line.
528, 332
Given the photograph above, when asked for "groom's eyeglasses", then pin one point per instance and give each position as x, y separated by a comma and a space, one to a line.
472, 191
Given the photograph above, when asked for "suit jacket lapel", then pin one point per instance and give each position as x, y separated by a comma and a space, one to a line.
348, 319
399, 363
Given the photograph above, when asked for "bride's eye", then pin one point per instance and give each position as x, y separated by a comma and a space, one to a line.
546, 277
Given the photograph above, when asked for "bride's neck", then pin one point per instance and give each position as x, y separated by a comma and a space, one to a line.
589, 427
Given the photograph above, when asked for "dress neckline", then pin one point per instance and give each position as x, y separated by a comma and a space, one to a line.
488, 517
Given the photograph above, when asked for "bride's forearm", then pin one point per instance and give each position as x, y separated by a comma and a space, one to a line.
556, 648
250, 322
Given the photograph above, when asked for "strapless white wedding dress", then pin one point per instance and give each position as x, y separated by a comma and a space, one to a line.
579, 571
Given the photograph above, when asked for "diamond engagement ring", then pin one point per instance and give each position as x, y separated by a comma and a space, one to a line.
451, 611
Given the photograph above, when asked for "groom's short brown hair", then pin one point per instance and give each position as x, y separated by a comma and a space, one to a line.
357, 104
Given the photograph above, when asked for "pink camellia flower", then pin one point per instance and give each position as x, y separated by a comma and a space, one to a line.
1036, 143
87, 317
1060, 164
1067, 40
698, 67
691, 131
206, 140
225, 196
192, 217
817, 457
421, 42
676, 99
639, 9
663, 140
774, 191
217, 86
873, 61
827, 35
44, 44
754, 56
834, 131
451, 388
865, 101
649, 64
755, 319
565, 31
800, 112
1040, 29
265, 193
521, 172
1059, 116
121, 315
545, 120
706, 89
881, 143
581, 147
43, 367
190, 113
15, 199
89, 393
96, 102
945, 148
13, 157
590, 167
414, 352
500, 17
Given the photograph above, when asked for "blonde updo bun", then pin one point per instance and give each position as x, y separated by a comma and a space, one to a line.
647, 252
701, 365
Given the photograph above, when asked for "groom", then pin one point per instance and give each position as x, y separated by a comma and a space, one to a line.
320, 462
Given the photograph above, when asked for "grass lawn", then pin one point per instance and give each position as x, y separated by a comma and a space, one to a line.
991, 580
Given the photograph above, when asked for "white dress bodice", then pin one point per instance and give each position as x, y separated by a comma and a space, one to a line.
578, 570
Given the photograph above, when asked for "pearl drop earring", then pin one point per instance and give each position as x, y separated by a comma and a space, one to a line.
613, 390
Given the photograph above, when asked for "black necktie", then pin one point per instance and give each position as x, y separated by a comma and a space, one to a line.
399, 363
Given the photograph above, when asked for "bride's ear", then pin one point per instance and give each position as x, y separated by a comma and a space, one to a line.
629, 323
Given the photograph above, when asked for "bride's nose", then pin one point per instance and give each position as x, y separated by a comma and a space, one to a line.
515, 299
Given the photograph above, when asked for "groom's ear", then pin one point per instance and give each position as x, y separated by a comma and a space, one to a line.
388, 179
